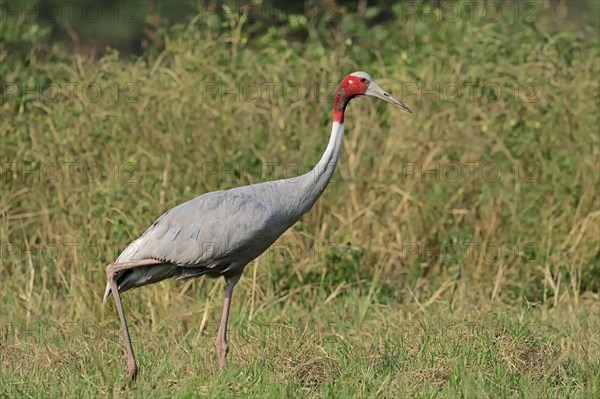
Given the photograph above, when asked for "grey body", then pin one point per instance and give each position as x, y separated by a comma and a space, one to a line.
215, 234
220, 232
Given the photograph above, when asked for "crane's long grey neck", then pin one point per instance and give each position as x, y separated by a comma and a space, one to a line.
315, 181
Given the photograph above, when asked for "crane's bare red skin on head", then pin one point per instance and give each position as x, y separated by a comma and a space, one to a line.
352, 86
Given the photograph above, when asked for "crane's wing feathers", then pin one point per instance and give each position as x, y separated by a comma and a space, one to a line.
213, 234
193, 234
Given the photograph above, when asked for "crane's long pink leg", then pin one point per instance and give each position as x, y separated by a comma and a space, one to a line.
112, 272
221, 340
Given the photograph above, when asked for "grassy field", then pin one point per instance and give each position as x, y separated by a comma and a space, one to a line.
456, 253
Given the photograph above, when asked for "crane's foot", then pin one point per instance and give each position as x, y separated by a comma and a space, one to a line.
222, 350
131, 377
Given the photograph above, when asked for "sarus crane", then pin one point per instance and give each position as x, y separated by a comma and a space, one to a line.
219, 233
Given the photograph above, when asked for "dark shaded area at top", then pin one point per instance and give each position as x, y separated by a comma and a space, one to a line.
132, 26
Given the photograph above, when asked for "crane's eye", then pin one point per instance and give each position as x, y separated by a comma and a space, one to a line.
363, 80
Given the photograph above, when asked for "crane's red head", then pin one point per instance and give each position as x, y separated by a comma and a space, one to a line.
359, 84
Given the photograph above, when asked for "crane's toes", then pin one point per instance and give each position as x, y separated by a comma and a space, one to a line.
131, 377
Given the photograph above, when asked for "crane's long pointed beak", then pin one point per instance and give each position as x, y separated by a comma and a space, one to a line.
375, 91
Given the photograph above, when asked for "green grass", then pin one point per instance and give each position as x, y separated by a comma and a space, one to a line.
291, 350
405, 280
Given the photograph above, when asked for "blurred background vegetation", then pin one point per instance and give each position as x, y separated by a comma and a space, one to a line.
152, 97
137, 28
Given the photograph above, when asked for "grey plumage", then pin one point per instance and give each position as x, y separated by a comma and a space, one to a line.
218, 233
